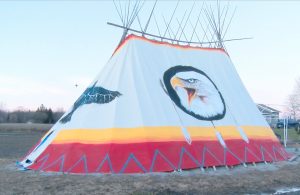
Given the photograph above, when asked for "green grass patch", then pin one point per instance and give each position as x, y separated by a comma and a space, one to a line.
292, 134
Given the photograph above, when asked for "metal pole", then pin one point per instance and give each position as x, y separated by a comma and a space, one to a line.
284, 132
287, 126
284, 123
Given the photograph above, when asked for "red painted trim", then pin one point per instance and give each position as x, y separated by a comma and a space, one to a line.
132, 36
154, 157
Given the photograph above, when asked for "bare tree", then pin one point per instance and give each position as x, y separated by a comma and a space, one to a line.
3, 113
293, 107
293, 102
297, 89
23, 115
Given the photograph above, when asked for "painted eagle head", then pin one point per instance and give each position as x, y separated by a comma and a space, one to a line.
194, 92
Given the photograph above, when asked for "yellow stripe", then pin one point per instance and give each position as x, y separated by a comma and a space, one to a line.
259, 132
157, 134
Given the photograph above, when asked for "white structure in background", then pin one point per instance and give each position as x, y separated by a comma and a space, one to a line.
285, 129
271, 115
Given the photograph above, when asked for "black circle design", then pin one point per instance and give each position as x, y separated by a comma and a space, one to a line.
168, 75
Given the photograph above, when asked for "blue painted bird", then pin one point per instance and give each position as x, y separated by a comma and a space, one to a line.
93, 94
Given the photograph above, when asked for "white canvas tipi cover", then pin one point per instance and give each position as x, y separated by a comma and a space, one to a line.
158, 107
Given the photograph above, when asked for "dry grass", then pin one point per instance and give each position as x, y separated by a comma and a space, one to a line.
24, 127
239, 180
252, 180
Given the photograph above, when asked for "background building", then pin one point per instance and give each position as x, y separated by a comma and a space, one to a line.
271, 115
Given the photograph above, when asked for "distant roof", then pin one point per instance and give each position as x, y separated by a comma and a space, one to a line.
266, 109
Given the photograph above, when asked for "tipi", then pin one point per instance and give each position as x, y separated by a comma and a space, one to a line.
158, 106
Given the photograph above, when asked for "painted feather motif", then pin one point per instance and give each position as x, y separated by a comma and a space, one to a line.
94, 94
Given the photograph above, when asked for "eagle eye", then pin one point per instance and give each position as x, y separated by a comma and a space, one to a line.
191, 80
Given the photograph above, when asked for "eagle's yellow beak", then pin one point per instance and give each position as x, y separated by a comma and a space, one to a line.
176, 82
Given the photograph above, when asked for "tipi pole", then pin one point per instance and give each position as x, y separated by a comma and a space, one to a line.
194, 27
197, 21
171, 18
156, 26
180, 24
168, 29
147, 24
182, 32
166, 38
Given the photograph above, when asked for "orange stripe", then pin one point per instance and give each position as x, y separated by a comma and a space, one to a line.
157, 134
132, 36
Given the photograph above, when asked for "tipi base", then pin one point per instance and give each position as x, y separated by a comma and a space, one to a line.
160, 157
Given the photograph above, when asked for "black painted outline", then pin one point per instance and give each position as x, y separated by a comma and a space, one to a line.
175, 98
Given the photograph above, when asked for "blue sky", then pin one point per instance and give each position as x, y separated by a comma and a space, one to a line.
46, 47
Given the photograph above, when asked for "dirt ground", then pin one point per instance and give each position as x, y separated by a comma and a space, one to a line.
259, 179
